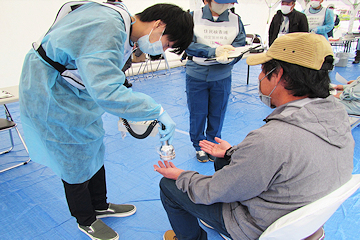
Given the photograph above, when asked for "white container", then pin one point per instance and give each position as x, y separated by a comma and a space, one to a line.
343, 59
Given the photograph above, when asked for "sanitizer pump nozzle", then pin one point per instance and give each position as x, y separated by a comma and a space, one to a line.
167, 151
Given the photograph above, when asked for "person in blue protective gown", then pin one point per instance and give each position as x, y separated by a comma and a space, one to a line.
216, 32
61, 117
320, 19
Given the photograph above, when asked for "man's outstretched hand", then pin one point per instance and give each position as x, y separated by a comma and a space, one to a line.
168, 170
217, 150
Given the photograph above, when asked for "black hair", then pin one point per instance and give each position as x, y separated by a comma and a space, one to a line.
302, 81
179, 24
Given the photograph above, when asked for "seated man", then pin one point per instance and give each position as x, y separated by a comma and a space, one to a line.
349, 95
291, 161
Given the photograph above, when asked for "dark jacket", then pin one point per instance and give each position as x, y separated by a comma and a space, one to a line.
297, 23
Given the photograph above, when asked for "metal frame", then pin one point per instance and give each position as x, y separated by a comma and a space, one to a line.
9, 124
354, 123
146, 69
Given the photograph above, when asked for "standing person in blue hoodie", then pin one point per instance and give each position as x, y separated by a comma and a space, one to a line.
216, 32
320, 19
303, 152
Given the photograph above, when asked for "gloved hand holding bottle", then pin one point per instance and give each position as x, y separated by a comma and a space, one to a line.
222, 53
169, 131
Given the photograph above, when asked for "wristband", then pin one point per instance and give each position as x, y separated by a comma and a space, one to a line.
228, 153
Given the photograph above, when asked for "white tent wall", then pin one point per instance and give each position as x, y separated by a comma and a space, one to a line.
24, 21
256, 15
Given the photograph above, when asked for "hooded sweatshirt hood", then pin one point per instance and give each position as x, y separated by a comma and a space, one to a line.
326, 123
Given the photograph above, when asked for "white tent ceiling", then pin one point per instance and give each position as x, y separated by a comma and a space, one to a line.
19, 28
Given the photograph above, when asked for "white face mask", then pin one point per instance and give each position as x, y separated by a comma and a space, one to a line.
220, 8
264, 98
314, 4
155, 48
285, 9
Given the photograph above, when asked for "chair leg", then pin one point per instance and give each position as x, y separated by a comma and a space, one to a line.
354, 122
12, 143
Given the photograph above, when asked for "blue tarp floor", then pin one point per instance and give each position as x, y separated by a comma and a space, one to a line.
32, 200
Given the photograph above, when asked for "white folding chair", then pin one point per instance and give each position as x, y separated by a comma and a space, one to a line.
354, 120
306, 222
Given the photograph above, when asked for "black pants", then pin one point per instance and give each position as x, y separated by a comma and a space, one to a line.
85, 197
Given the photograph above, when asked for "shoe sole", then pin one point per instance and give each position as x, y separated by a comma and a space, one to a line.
203, 161
126, 214
95, 238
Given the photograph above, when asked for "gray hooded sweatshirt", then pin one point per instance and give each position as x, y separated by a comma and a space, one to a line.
302, 153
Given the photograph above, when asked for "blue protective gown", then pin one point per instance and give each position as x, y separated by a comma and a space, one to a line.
62, 124
328, 24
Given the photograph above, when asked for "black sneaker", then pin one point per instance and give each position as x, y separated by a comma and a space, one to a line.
99, 230
211, 158
202, 156
116, 210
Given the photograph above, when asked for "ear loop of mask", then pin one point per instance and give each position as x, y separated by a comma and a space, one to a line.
267, 74
265, 77
161, 33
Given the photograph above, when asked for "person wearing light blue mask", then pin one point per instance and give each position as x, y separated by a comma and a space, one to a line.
72, 76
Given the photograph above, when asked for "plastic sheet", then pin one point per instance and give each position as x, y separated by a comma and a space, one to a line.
32, 199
